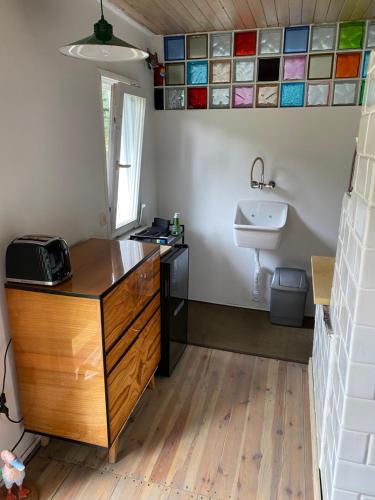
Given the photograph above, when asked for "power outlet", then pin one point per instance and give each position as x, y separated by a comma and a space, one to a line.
103, 219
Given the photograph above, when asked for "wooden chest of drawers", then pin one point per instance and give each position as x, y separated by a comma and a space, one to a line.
86, 349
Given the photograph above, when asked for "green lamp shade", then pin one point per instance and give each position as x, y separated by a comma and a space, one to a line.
102, 45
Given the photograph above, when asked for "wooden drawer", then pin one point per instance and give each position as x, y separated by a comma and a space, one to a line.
133, 331
125, 301
129, 378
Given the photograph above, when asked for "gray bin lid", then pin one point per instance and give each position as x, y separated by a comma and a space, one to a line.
288, 278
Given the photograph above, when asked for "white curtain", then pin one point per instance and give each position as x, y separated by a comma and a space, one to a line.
131, 141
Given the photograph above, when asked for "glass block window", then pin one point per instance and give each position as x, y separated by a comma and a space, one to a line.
197, 98
371, 36
245, 43
197, 72
243, 97
159, 98
219, 97
174, 98
294, 67
268, 69
270, 41
347, 65
296, 39
362, 92
292, 94
318, 94
220, 71
267, 96
330, 60
344, 93
174, 48
243, 70
197, 46
370, 97
323, 37
175, 74
351, 35
366, 60
320, 66
220, 45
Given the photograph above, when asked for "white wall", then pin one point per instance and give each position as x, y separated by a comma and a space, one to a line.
51, 139
203, 160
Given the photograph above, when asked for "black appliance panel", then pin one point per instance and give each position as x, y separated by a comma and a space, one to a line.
174, 303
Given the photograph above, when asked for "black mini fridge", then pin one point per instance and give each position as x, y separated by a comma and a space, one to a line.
174, 306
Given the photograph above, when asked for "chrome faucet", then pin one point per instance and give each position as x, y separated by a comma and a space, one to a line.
259, 185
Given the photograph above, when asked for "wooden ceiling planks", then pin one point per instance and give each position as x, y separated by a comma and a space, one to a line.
282, 10
190, 16
308, 11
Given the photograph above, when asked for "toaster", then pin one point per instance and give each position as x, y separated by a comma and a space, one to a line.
38, 259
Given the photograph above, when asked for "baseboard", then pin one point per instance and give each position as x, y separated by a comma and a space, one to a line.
314, 450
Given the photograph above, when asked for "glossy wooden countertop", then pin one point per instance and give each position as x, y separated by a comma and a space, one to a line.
322, 278
97, 265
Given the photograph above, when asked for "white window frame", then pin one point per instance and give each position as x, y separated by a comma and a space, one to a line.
112, 165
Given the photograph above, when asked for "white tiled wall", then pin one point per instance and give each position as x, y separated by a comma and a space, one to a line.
344, 383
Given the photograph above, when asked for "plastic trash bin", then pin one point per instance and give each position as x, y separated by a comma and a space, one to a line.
289, 289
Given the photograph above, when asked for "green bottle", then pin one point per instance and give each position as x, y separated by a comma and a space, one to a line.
176, 226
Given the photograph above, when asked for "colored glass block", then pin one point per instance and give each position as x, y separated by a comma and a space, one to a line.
158, 78
244, 70
175, 98
245, 43
197, 46
344, 93
159, 98
292, 95
370, 35
174, 48
175, 74
366, 60
219, 97
296, 39
270, 41
267, 96
221, 44
362, 92
220, 71
370, 96
197, 72
318, 94
243, 97
323, 37
268, 69
347, 65
294, 67
351, 35
197, 98
320, 66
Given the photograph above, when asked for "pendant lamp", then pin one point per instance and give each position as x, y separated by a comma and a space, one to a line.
103, 46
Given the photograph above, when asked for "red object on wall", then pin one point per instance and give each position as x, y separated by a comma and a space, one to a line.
245, 43
197, 98
158, 79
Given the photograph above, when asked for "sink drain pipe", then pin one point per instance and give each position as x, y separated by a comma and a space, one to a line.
257, 276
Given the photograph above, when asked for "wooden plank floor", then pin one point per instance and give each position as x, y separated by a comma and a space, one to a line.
224, 426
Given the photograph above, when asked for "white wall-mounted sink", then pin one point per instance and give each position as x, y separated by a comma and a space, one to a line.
259, 224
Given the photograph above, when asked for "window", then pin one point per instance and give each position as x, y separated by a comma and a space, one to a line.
124, 114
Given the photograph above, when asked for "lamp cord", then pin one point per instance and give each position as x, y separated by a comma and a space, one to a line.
101, 8
2, 396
